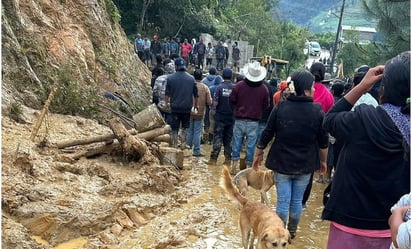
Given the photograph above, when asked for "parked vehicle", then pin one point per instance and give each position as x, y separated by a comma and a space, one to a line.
314, 48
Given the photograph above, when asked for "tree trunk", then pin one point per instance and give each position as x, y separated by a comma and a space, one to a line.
162, 138
104, 149
134, 148
146, 4
148, 135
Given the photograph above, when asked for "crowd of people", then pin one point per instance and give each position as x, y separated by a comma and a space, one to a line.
357, 139
195, 53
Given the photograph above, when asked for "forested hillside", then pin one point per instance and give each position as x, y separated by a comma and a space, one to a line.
320, 16
302, 11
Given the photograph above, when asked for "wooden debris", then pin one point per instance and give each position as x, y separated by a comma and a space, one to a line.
148, 119
104, 149
162, 138
172, 156
43, 113
148, 135
121, 217
133, 147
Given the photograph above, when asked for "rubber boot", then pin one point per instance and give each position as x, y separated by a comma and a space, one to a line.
182, 138
173, 139
234, 167
212, 161
292, 227
210, 138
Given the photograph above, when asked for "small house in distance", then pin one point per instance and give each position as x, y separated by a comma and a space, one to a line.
366, 34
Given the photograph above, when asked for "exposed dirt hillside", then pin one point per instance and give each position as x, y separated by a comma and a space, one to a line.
78, 47
75, 45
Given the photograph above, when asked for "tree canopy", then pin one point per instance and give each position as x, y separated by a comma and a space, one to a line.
257, 22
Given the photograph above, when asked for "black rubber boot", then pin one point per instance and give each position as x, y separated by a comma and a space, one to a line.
292, 227
210, 138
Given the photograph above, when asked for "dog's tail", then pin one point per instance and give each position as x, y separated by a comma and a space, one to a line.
231, 190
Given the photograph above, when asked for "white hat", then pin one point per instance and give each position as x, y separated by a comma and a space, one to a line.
328, 78
254, 72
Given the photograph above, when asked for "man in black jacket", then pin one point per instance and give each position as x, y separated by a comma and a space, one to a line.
181, 90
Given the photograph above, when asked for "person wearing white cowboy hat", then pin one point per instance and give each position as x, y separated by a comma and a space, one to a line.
249, 97
254, 72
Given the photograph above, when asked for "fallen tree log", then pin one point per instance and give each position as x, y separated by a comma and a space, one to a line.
104, 149
148, 135
162, 138
114, 148
157, 132
133, 147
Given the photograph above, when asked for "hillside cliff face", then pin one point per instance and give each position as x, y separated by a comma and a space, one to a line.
75, 45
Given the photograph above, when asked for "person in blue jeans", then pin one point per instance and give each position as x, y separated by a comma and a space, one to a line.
249, 97
299, 148
197, 115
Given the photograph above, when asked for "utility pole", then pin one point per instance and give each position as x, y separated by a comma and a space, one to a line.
337, 38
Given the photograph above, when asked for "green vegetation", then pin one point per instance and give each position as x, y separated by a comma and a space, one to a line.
15, 112
354, 14
112, 11
73, 98
108, 61
393, 22
261, 23
226, 19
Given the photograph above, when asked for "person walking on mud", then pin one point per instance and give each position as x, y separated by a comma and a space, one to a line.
299, 147
209, 80
181, 95
325, 98
223, 119
249, 97
197, 115
159, 90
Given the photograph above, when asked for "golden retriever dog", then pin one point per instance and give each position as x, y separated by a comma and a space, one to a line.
265, 223
261, 180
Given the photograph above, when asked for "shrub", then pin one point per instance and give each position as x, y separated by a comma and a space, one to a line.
15, 112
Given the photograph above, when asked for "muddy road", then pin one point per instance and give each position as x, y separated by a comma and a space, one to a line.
48, 203
211, 220
208, 220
